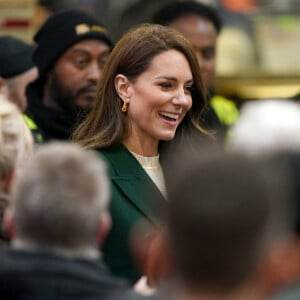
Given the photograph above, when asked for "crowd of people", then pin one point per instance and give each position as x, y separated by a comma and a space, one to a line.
125, 176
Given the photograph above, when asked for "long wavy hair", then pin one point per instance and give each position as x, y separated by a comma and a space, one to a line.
106, 125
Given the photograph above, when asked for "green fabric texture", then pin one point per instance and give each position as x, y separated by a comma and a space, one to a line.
135, 198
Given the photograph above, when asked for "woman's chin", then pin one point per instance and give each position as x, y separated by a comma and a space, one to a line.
167, 137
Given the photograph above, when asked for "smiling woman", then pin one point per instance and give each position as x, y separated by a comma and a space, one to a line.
157, 101
151, 93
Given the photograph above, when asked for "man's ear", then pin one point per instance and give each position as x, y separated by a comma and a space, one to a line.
160, 264
151, 252
141, 237
104, 228
123, 87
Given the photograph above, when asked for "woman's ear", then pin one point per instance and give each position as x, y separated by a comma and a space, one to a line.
122, 86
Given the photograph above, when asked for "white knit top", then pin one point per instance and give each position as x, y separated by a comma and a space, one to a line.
153, 168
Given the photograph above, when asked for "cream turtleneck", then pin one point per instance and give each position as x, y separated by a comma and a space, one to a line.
153, 168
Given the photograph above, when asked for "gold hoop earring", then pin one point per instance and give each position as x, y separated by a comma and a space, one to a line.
124, 107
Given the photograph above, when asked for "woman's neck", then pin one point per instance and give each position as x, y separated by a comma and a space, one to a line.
141, 147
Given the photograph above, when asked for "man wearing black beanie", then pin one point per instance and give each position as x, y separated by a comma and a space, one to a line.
72, 48
16, 69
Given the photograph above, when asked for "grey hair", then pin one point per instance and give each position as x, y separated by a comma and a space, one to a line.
61, 197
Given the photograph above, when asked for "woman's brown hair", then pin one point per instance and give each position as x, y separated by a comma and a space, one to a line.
106, 125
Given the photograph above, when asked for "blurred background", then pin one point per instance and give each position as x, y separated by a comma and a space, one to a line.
259, 47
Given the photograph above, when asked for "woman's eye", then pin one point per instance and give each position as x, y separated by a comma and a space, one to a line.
165, 85
189, 89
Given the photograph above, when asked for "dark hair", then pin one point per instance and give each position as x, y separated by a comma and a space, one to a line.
225, 211
106, 125
174, 10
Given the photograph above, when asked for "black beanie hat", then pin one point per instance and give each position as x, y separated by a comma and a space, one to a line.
15, 56
61, 31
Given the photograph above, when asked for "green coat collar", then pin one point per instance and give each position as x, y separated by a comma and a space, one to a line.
128, 175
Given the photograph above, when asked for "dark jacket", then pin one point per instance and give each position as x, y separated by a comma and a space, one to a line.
28, 275
134, 198
52, 124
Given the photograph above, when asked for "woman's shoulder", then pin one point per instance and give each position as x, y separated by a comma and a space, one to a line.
120, 160
113, 152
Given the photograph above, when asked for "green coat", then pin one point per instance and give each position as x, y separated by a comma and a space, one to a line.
134, 198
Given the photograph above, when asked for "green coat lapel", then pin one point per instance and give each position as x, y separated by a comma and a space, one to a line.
128, 175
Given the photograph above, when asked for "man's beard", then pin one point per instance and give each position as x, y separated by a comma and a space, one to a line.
65, 98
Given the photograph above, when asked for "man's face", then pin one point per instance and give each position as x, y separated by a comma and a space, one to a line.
203, 36
72, 82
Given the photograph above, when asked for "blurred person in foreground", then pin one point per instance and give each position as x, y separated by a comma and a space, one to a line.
231, 242
16, 69
16, 146
150, 97
201, 24
58, 216
271, 128
72, 49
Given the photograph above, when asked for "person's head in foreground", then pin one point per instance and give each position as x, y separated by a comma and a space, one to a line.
229, 227
57, 219
60, 203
